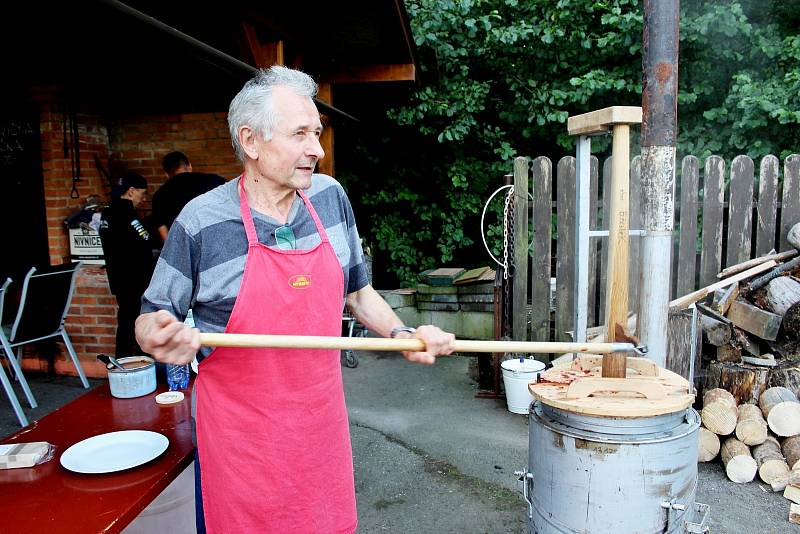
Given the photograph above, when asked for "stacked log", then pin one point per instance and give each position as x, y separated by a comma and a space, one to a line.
750, 364
739, 463
782, 411
791, 451
720, 413
751, 428
709, 445
760, 426
772, 468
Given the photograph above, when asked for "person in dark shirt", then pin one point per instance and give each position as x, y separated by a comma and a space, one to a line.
182, 185
128, 250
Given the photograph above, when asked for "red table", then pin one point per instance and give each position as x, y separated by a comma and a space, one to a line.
49, 499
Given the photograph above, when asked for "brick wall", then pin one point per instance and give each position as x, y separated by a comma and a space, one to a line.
137, 143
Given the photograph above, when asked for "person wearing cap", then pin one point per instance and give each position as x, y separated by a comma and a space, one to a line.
182, 185
274, 251
128, 251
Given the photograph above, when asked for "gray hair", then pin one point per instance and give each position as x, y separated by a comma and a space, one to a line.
253, 105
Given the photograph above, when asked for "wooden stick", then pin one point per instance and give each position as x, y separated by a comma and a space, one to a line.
686, 300
386, 344
761, 281
618, 243
739, 267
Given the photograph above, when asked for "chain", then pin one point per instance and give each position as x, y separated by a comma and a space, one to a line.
507, 207
508, 236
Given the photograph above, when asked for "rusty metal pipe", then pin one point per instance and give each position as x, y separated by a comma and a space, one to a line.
659, 132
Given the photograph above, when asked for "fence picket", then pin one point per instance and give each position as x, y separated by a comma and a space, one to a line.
772, 222
520, 288
541, 224
790, 212
565, 247
767, 206
687, 245
594, 221
711, 249
740, 211
602, 249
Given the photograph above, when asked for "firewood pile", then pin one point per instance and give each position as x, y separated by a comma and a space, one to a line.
751, 362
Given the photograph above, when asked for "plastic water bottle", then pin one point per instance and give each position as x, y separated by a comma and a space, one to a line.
178, 375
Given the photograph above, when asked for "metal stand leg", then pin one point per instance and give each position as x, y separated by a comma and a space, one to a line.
74, 357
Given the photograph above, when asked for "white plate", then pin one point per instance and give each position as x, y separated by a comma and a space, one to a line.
114, 451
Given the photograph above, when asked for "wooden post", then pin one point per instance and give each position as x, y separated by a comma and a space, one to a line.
519, 302
617, 282
619, 118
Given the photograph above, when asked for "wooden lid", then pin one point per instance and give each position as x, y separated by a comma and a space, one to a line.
169, 397
647, 391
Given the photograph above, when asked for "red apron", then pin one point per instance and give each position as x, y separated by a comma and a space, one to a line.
272, 429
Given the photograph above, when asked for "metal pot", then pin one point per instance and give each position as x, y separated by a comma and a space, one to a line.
596, 474
139, 377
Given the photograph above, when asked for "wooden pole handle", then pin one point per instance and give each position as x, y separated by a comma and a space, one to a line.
386, 344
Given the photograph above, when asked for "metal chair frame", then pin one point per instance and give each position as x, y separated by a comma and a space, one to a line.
12, 341
12, 396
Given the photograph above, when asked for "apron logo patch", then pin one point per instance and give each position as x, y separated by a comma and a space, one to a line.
300, 281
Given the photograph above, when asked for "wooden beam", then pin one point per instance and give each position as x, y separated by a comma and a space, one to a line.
599, 121
754, 320
326, 166
375, 73
263, 54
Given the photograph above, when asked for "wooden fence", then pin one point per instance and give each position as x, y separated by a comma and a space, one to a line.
723, 216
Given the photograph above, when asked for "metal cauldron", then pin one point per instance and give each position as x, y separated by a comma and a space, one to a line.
597, 475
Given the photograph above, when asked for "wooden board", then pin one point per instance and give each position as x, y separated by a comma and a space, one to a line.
754, 320
713, 197
767, 205
685, 268
740, 211
790, 210
600, 120
541, 222
519, 316
565, 249
622, 404
473, 275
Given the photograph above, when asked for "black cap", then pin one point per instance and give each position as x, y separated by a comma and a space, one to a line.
126, 181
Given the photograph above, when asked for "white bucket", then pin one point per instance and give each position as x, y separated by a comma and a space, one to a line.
516, 377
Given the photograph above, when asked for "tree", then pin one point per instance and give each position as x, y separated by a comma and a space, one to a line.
500, 78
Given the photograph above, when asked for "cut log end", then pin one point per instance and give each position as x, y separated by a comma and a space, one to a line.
741, 469
740, 466
784, 419
751, 432
708, 448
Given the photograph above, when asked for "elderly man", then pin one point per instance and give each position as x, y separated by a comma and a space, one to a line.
275, 251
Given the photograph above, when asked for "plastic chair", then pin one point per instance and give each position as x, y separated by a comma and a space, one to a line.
46, 296
12, 396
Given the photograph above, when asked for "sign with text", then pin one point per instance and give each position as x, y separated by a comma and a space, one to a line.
85, 245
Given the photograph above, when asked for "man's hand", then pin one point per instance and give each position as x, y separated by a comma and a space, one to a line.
437, 343
167, 339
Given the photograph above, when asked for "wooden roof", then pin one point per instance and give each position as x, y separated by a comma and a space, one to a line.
104, 54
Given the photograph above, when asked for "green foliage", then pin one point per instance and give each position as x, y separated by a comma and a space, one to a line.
500, 78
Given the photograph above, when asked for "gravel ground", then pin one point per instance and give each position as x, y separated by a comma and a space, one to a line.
430, 457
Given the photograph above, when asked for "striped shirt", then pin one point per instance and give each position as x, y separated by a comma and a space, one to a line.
203, 260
